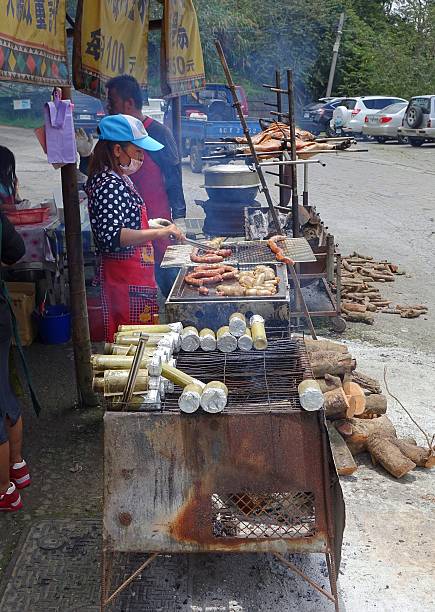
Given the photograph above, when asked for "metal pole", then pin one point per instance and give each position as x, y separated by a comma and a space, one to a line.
76, 274
176, 122
238, 107
294, 173
283, 196
335, 49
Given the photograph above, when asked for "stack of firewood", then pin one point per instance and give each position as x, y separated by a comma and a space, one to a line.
361, 298
355, 408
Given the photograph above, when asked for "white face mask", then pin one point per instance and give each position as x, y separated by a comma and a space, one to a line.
133, 166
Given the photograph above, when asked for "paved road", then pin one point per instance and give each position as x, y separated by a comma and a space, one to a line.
381, 203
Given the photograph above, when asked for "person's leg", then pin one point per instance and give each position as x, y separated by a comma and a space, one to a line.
15, 435
4, 467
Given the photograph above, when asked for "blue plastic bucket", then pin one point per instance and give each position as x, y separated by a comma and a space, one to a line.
55, 325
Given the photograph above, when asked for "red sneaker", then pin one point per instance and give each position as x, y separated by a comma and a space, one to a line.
20, 475
11, 500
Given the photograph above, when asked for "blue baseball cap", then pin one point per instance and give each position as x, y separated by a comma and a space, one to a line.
125, 128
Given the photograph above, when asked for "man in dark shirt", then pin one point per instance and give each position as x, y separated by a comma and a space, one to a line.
124, 96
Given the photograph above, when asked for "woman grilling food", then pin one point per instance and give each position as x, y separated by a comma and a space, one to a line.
120, 225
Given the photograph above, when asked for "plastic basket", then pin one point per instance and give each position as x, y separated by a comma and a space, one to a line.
29, 216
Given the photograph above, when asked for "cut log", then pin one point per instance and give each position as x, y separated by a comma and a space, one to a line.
417, 454
331, 362
329, 383
355, 396
344, 427
336, 403
324, 345
376, 403
388, 454
343, 460
363, 428
359, 317
352, 307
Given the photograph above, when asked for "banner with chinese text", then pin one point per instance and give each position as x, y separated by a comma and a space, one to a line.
110, 38
182, 60
33, 42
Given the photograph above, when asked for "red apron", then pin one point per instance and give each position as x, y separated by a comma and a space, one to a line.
128, 286
150, 185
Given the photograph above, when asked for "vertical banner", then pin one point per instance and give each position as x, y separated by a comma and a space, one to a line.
110, 38
182, 62
33, 42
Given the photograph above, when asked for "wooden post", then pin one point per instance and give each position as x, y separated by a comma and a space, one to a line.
283, 201
76, 275
294, 171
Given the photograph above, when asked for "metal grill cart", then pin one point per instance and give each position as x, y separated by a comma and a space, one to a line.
257, 477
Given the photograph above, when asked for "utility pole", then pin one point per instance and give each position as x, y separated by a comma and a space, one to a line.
335, 55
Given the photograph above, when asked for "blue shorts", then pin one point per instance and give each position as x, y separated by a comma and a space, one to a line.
9, 404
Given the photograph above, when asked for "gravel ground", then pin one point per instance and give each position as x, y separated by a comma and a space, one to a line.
379, 203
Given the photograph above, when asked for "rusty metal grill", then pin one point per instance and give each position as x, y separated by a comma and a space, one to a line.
256, 380
263, 515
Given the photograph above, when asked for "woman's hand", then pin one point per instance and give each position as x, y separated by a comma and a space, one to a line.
173, 231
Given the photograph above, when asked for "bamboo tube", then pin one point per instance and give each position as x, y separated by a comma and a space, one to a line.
178, 377
115, 362
258, 332
151, 329
190, 339
189, 400
237, 324
207, 339
245, 342
133, 339
310, 395
98, 384
226, 342
214, 397
115, 381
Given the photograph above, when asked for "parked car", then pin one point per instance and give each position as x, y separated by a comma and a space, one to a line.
87, 112
352, 111
418, 123
384, 124
155, 109
321, 115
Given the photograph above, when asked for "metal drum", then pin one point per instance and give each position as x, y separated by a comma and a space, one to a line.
231, 183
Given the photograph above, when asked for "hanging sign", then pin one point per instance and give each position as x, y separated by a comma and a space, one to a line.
183, 63
33, 42
110, 38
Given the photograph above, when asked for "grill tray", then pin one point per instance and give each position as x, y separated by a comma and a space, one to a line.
260, 381
183, 291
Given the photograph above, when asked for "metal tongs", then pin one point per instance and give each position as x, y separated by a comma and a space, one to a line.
156, 223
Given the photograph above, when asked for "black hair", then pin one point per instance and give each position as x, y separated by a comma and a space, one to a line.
127, 88
8, 178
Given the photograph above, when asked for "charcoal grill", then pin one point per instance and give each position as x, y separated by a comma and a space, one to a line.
256, 478
185, 304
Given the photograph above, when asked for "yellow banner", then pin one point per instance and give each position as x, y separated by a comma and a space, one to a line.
181, 46
111, 38
33, 41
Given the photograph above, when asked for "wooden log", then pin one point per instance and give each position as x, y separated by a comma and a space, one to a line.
417, 454
344, 427
343, 460
359, 317
384, 451
352, 307
329, 383
324, 345
336, 403
347, 266
355, 396
376, 403
331, 362
363, 428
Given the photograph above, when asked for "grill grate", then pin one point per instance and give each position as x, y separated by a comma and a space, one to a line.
256, 380
257, 251
263, 515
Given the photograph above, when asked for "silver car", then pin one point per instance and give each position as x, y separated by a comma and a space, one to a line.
384, 124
